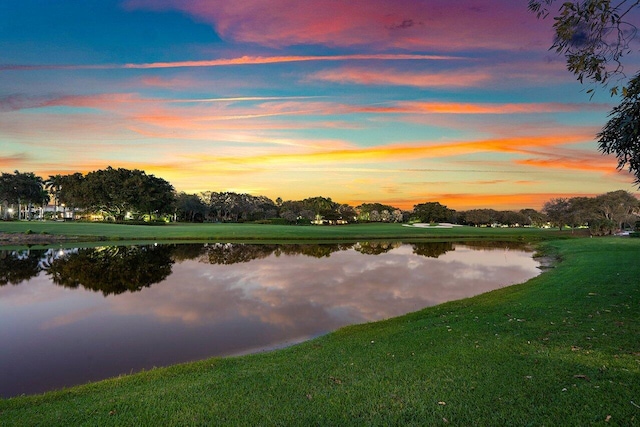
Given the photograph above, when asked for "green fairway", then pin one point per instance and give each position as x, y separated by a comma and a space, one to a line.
561, 349
262, 232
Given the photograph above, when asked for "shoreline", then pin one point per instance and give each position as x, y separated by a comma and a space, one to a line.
34, 239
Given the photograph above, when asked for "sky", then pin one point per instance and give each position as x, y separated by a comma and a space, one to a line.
392, 101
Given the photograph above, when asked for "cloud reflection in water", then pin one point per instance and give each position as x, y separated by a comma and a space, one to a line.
229, 299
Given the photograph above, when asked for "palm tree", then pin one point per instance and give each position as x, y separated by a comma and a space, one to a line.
53, 185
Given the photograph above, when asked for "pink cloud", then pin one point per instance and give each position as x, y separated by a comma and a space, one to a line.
369, 76
439, 25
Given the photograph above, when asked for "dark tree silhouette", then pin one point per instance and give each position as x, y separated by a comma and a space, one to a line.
595, 36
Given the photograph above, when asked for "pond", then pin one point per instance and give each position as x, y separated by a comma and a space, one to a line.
69, 316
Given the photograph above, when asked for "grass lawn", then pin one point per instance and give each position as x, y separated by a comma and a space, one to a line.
261, 232
561, 349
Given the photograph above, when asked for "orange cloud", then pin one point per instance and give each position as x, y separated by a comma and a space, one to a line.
604, 165
401, 152
493, 108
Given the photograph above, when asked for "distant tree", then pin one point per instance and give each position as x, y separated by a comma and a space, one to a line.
604, 214
557, 211
533, 217
115, 192
72, 192
21, 188
481, 217
432, 212
154, 195
190, 208
316, 207
53, 185
232, 207
323, 206
347, 212
511, 218
594, 36
620, 206
581, 211
364, 211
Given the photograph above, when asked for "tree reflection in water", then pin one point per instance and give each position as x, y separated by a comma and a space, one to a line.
18, 266
375, 247
112, 270
432, 249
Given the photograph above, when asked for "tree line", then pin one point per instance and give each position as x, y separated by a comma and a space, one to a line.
132, 195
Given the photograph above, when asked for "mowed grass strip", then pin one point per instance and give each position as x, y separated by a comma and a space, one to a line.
561, 349
264, 232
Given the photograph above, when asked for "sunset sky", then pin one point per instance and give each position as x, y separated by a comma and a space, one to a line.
392, 101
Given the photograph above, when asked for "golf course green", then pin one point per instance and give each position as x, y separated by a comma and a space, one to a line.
560, 349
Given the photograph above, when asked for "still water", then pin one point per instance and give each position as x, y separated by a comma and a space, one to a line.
69, 316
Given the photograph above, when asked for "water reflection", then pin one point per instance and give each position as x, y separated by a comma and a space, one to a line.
85, 314
111, 270
432, 250
18, 266
118, 269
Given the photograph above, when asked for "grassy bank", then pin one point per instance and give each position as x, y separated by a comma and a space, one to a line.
561, 349
261, 232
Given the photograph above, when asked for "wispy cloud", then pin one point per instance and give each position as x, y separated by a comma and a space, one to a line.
411, 107
368, 76
389, 153
225, 62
